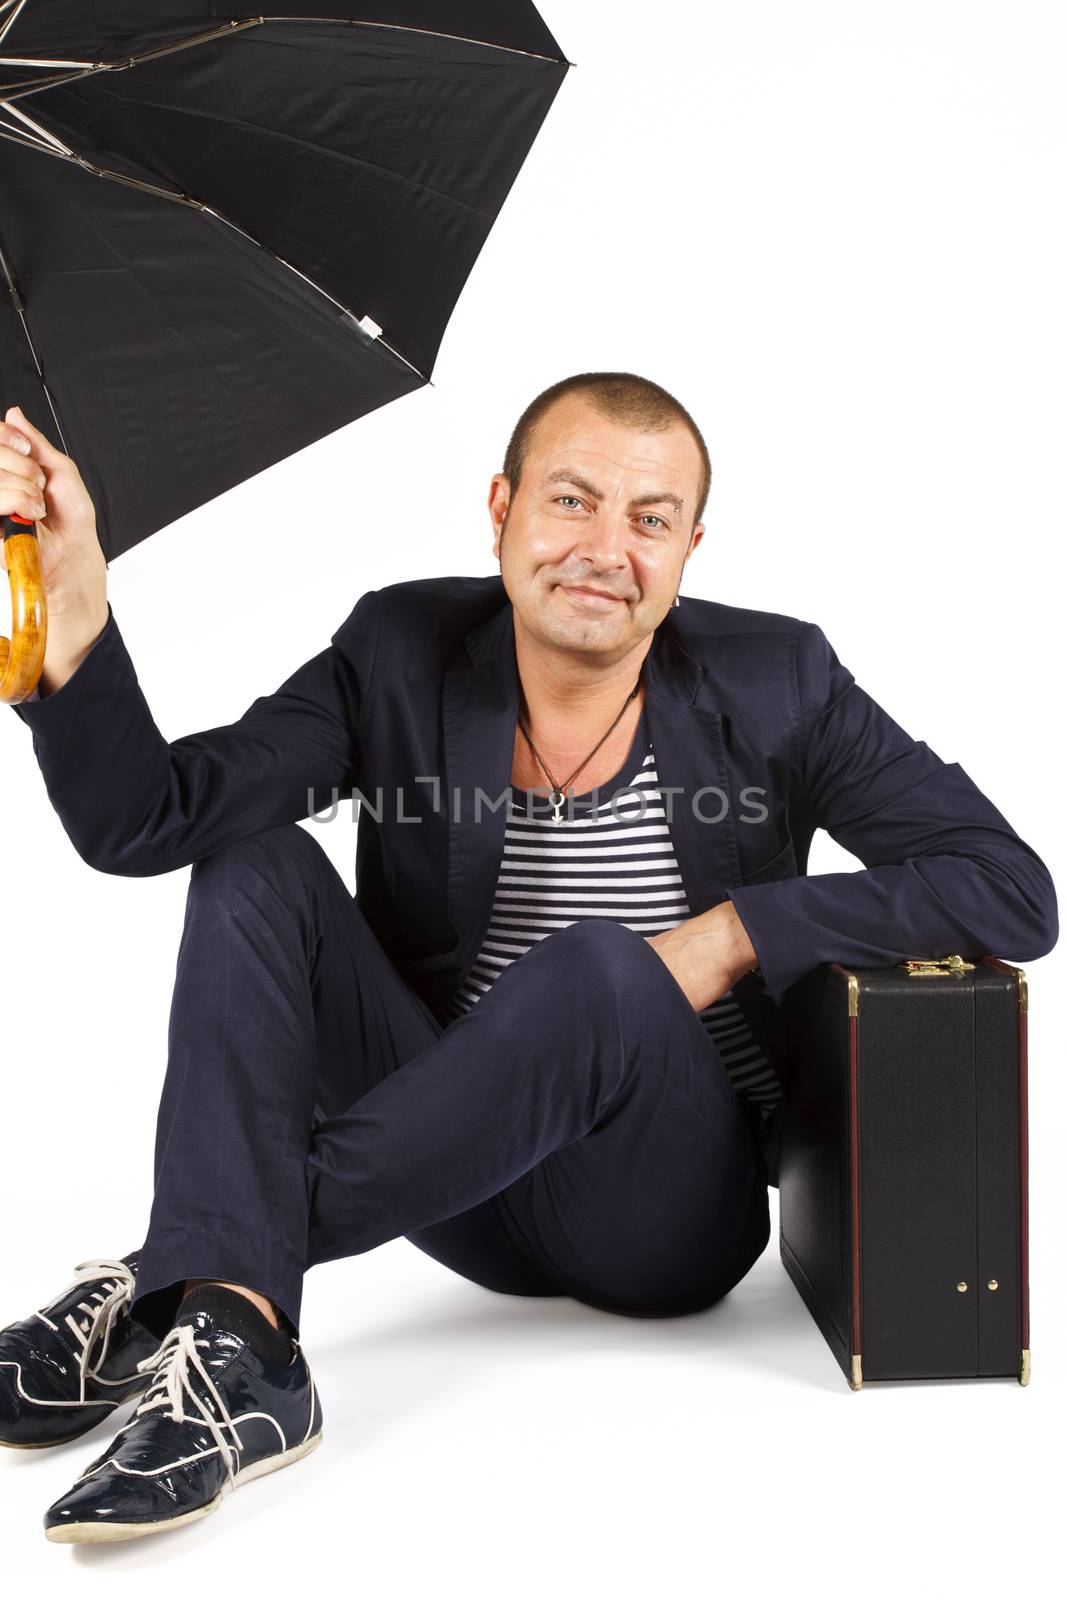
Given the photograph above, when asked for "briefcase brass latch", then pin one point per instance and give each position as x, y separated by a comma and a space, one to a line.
942, 967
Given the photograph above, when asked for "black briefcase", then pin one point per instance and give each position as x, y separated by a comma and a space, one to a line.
903, 1166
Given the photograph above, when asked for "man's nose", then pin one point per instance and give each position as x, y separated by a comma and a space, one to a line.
604, 541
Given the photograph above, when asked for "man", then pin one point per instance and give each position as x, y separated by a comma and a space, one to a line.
543, 1042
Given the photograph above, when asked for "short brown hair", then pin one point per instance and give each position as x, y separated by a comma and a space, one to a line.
624, 397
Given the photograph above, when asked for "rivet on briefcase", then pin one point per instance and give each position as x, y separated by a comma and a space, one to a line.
903, 1166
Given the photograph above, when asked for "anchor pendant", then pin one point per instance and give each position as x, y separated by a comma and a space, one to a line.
555, 800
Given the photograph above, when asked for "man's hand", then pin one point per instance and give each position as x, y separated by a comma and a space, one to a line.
40, 482
707, 954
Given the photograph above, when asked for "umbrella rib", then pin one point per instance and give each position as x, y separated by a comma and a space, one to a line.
87, 68
39, 129
19, 137
433, 33
365, 325
18, 4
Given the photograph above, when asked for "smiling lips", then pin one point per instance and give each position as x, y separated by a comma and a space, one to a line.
599, 599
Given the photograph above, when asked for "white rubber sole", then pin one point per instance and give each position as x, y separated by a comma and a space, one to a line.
112, 1532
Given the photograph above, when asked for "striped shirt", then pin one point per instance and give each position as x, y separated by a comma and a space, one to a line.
607, 863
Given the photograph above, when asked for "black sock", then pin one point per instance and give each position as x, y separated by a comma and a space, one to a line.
238, 1315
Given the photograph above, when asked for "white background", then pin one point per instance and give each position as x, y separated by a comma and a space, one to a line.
835, 232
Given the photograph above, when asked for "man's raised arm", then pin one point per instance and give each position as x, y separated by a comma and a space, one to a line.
130, 802
945, 870
135, 805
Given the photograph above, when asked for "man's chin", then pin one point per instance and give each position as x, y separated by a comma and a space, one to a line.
584, 635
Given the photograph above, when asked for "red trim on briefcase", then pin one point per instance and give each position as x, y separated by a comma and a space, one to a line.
1024, 1161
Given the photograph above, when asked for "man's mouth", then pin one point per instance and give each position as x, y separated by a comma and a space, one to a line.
596, 599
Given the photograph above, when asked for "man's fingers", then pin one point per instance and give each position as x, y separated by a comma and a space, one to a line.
16, 440
43, 449
17, 465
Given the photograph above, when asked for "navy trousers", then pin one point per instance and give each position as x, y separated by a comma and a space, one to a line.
575, 1133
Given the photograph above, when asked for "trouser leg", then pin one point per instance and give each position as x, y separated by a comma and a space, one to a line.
285, 1009
574, 1133
582, 1100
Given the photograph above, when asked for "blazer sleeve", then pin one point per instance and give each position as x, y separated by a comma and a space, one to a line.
944, 869
136, 805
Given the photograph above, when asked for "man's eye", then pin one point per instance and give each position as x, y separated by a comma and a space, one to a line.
573, 497
654, 518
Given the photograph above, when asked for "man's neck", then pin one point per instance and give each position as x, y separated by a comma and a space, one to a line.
561, 690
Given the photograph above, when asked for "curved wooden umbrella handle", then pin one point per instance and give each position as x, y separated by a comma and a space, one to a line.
22, 656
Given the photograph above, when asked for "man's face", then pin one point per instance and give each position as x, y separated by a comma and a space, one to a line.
600, 506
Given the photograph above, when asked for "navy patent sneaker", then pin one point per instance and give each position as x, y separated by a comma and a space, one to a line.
66, 1367
215, 1415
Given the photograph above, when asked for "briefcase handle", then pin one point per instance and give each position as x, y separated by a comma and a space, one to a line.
22, 656
937, 967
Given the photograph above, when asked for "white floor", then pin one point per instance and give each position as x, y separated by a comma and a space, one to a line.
498, 1446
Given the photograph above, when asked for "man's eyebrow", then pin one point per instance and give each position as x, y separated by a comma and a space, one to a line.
657, 498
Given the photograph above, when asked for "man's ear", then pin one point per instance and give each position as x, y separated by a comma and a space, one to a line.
497, 488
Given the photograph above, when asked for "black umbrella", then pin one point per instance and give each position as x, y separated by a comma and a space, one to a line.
223, 237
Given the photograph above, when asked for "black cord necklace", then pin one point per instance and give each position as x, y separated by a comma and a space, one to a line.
557, 796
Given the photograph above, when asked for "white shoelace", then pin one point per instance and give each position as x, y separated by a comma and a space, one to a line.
171, 1384
100, 1317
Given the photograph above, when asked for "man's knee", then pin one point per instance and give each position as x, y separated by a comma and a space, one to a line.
601, 954
272, 855
599, 944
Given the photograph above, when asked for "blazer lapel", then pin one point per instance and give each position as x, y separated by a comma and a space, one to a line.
690, 757
480, 709
689, 741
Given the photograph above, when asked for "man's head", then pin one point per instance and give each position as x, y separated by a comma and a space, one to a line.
604, 481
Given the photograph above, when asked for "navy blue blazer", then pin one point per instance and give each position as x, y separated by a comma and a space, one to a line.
758, 728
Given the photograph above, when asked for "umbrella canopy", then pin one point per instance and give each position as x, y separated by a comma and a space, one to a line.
223, 237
